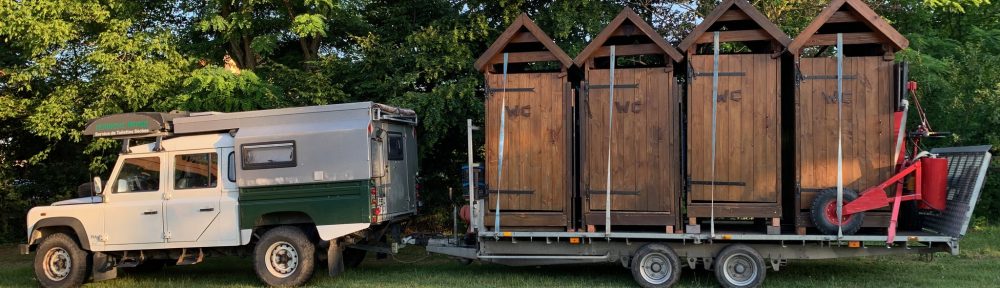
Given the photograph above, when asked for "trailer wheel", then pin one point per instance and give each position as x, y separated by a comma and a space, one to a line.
656, 265
59, 262
824, 213
739, 266
284, 257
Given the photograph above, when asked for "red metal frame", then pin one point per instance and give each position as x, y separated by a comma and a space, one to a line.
875, 197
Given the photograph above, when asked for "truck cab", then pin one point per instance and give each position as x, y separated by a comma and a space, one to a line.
283, 185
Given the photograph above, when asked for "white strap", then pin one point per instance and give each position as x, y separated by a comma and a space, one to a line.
715, 115
840, 139
503, 124
611, 117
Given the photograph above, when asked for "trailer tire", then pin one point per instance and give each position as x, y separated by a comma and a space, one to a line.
59, 262
656, 266
739, 266
824, 213
284, 257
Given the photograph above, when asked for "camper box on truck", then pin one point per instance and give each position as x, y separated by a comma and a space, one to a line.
871, 114
640, 129
738, 134
529, 129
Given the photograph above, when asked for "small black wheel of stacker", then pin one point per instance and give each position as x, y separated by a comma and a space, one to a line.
739, 266
656, 266
824, 213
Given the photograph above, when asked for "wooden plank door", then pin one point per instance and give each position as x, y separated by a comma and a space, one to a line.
747, 139
868, 107
535, 164
644, 140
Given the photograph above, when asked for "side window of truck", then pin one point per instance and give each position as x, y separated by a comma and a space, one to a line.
269, 155
395, 146
196, 171
232, 167
138, 175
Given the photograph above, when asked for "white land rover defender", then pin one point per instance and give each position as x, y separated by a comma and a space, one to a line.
288, 186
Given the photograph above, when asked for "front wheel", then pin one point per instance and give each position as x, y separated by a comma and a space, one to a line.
59, 262
824, 213
284, 257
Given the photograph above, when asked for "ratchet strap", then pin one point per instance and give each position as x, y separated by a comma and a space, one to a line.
715, 115
611, 117
840, 135
503, 120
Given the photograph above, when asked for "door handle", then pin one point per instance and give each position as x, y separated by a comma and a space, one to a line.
151, 212
206, 209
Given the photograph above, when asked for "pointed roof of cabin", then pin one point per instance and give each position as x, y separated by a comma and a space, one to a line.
857, 11
743, 11
613, 28
523, 30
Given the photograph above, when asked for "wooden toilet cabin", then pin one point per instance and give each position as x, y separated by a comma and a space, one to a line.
638, 131
745, 76
871, 104
534, 189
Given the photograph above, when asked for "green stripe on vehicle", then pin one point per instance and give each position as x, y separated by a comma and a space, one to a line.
326, 203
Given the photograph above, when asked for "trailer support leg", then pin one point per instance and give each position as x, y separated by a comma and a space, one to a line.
335, 258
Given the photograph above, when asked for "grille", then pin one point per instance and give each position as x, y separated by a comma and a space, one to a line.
967, 168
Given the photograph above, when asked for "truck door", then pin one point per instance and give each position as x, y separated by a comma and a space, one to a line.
397, 190
134, 206
192, 199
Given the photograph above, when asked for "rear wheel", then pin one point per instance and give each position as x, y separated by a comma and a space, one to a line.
284, 256
824, 213
739, 266
59, 262
656, 265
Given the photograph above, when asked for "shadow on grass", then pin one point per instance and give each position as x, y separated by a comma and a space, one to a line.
977, 266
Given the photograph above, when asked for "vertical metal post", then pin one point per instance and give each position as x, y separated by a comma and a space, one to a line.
472, 196
454, 213
840, 140
611, 129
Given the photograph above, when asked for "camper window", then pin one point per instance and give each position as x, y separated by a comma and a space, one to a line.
138, 175
196, 171
395, 146
269, 155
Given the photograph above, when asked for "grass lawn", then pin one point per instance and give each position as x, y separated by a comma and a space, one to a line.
977, 266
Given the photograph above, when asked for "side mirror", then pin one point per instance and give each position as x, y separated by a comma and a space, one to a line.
122, 186
98, 190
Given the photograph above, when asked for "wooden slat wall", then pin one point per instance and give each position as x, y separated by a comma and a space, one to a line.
536, 150
748, 131
867, 134
645, 162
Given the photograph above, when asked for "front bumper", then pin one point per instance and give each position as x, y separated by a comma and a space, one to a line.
23, 249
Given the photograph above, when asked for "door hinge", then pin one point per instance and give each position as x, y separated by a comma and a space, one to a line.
166, 235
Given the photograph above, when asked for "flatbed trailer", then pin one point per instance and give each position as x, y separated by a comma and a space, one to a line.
739, 257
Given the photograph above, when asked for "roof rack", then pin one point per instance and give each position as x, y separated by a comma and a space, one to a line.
133, 125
